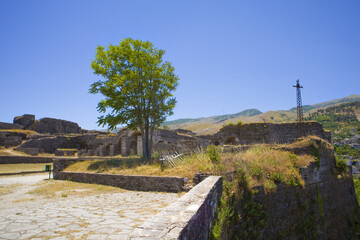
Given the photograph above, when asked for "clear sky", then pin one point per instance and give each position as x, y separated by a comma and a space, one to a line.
229, 55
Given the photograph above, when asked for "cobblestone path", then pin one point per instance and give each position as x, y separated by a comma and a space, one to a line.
104, 216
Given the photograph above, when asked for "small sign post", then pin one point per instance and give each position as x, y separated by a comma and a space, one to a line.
48, 169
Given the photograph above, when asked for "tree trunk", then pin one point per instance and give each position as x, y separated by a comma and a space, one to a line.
146, 144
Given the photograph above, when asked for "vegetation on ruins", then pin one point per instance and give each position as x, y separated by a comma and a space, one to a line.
137, 86
263, 165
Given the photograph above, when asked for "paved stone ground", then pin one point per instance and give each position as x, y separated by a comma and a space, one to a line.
104, 216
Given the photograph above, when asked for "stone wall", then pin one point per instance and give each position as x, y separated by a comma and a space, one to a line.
49, 144
52, 126
167, 141
190, 217
9, 126
23, 159
258, 133
326, 204
137, 183
11, 139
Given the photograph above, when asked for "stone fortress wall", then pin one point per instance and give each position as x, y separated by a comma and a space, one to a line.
268, 133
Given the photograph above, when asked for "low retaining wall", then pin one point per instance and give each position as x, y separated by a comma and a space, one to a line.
129, 182
137, 183
24, 159
190, 217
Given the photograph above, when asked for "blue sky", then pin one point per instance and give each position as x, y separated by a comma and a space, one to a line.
229, 55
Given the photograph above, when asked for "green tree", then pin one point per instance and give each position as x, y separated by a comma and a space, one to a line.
137, 85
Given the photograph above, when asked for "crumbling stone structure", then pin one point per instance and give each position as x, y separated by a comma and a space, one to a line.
44, 125
268, 133
11, 139
25, 120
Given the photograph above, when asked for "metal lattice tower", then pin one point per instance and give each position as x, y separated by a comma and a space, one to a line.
300, 114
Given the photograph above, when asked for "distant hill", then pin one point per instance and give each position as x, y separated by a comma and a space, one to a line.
215, 119
210, 125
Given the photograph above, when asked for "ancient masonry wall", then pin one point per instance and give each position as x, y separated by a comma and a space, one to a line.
9, 126
137, 183
253, 133
190, 217
325, 202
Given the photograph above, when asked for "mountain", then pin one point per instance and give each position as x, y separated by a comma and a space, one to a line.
215, 119
210, 125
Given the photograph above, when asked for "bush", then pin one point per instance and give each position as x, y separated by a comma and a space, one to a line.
256, 172
213, 154
277, 177
340, 165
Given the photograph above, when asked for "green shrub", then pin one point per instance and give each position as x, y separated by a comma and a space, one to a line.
256, 172
213, 154
277, 177
340, 165
292, 182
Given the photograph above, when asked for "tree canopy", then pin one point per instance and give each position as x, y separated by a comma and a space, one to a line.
137, 85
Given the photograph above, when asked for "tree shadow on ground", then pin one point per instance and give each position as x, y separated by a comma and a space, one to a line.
105, 165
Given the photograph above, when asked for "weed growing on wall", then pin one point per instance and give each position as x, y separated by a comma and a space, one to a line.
340, 165
213, 154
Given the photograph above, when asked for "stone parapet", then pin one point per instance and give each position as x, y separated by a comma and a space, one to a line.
190, 217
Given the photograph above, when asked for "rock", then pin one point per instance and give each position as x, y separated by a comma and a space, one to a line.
25, 120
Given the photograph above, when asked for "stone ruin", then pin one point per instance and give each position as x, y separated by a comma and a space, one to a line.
44, 125
55, 134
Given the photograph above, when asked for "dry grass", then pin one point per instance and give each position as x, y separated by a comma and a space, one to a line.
303, 142
23, 167
267, 166
190, 166
27, 132
57, 188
